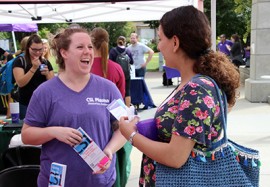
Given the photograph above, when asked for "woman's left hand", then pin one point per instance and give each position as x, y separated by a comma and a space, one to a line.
126, 127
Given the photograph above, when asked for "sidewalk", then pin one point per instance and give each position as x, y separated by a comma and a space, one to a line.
248, 124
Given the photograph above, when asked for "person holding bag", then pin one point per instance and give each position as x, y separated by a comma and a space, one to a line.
192, 149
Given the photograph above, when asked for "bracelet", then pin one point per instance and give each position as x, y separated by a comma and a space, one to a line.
131, 137
31, 71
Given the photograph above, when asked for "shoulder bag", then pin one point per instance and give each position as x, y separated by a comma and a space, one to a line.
226, 164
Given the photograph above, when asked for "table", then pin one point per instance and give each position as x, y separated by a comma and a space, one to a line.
5, 137
171, 73
139, 93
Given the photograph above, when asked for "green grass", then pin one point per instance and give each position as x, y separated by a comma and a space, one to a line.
54, 65
154, 63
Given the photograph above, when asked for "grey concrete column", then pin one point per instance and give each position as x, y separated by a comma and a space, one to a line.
257, 87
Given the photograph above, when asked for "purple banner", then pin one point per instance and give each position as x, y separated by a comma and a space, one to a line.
30, 27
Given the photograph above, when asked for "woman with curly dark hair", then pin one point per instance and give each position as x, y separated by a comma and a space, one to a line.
190, 117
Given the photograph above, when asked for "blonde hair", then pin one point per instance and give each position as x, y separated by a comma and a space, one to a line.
46, 53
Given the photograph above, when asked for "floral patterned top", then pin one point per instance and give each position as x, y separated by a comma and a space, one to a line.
193, 112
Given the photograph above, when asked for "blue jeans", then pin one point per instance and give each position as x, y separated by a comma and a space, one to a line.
140, 72
23, 109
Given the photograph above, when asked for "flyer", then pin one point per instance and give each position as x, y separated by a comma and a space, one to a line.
90, 152
57, 175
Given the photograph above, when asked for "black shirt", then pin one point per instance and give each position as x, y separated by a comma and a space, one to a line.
37, 79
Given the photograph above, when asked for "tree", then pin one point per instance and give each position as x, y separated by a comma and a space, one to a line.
231, 16
115, 29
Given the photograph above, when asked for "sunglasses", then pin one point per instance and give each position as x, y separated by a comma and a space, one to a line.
37, 50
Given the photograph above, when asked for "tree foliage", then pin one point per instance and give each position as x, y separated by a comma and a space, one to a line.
115, 29
232, 16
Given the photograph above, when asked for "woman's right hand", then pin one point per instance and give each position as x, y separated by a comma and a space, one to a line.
67, 135
36, 62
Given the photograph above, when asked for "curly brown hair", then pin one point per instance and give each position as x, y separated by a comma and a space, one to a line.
192, 28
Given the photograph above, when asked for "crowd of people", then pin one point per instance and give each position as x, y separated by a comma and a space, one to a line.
90, 78
235, 49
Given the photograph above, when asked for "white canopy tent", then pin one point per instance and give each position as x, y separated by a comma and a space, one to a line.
89, 12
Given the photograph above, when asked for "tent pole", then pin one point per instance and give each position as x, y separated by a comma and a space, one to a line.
14, 41
213, 24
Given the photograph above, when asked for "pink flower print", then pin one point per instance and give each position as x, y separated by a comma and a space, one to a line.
209, 136
190, 130
179, 119
213, 132
199, 129
184, 105
193, 85
141, 180
201, 115
154, 177
145, 160
151, 166
160, 108
209, 101
207, 82
193, 92
176, 133
146, 170
158, 122
173, 109
176, 101
217, 110
171, 101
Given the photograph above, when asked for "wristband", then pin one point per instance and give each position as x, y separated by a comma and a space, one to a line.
31, 71
131, 137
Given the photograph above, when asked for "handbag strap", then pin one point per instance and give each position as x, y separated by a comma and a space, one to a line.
223, 108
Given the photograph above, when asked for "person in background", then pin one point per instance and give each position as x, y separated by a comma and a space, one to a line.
247, 55
22, 46
103, 66
236, 50
3, 52
112, 71
138, 50
181, 118
222, 45
28, 73
9, 99
46, 49
121, 47
75, 98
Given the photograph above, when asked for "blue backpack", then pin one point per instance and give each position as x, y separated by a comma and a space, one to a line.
6, 77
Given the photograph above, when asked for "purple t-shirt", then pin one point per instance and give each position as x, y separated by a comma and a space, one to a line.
222, 47
54, 104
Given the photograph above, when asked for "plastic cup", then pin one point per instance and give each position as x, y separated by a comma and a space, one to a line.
148, 128
15, 112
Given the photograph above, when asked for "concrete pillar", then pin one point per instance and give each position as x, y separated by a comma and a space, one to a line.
257, 87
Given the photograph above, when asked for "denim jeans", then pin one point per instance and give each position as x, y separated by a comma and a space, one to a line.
140, 72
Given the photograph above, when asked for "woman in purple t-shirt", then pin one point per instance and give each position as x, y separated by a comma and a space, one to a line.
73, 99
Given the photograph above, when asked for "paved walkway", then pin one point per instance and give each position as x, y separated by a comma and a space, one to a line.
248, 124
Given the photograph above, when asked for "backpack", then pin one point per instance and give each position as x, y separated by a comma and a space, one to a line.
6, 77
123, 60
